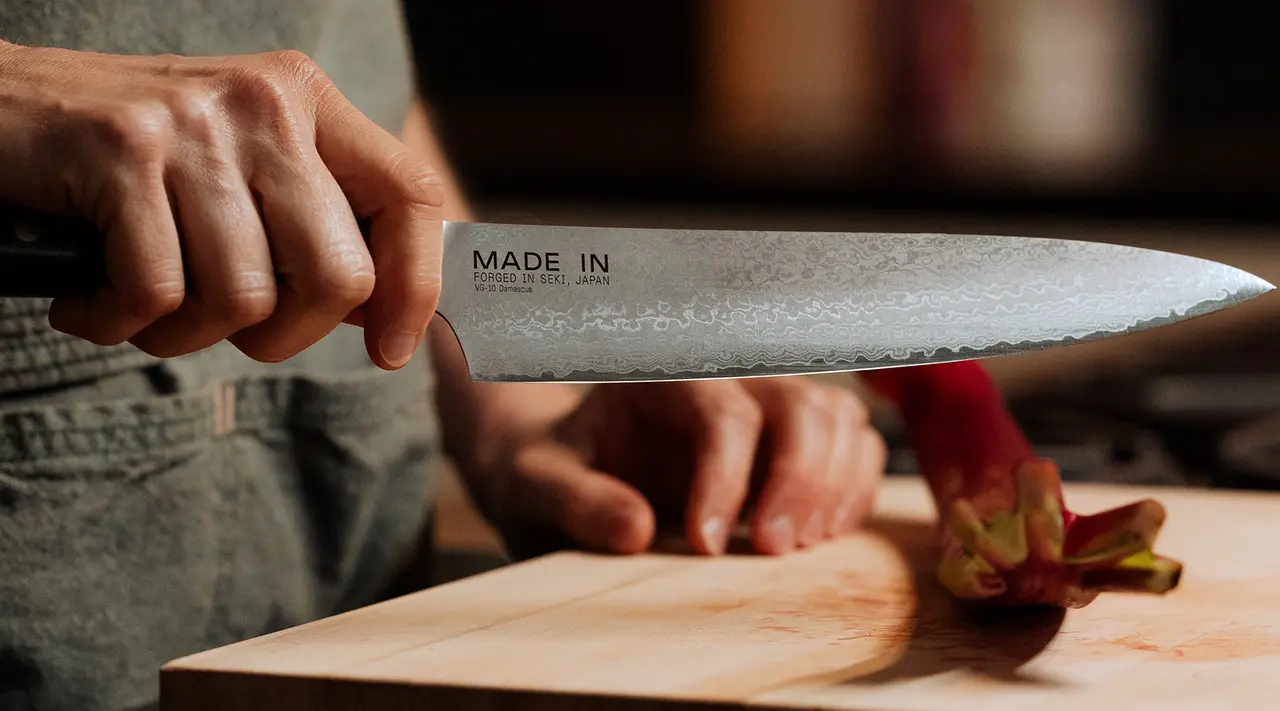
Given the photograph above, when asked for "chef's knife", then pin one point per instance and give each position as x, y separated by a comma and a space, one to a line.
561, 303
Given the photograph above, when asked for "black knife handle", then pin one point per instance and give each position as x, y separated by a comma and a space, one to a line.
46, 256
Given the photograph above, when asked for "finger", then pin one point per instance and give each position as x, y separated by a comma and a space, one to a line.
356, 317
842, 471
402, 198
726, 423
598, 512
859, 471
143, 265
800, 421
324, 268
859, 499
231, 280
858, 461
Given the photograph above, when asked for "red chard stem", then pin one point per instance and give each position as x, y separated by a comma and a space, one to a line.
1007, 535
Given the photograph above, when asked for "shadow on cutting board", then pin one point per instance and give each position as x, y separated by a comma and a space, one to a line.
945, 637
940, 636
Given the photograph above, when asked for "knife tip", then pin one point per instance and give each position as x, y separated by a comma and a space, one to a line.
1247, 285
1259, 286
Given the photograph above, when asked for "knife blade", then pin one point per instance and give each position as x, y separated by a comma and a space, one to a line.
532, 303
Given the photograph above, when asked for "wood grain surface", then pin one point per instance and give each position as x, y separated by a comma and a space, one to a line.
854, 624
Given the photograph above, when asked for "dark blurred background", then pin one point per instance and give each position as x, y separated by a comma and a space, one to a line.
1096, 107
1146, 123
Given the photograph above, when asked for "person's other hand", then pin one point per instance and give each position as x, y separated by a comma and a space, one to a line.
798, 459
229, 191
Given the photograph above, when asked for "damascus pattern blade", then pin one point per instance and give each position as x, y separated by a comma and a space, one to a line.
587, 304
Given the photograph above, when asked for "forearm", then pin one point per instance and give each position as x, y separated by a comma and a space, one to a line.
470, 410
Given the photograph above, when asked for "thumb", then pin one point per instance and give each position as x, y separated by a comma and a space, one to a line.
553, 489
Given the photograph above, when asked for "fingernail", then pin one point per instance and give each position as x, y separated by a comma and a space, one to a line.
782, 532
715, 536
398, 347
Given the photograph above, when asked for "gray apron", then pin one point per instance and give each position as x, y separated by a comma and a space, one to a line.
150, 509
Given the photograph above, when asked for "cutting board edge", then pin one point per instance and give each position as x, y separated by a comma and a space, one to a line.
184, 662
206, 690
212, 660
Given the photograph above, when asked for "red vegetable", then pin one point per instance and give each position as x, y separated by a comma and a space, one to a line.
1007, 535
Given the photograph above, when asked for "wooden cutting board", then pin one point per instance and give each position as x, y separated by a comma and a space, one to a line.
854, 624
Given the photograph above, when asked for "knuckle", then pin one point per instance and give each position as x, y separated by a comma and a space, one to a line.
105, 336
803, 483
730, 406
274, 355
165, 343
415, 180
133, 131
260, 96
250, 301
421, 295
261, 349
300, 71
853, 409
819, 404
194, 110
815, 398
267, 355
152, 299
295, 64
345, 284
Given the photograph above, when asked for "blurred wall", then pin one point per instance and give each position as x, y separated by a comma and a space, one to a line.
1107, 107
